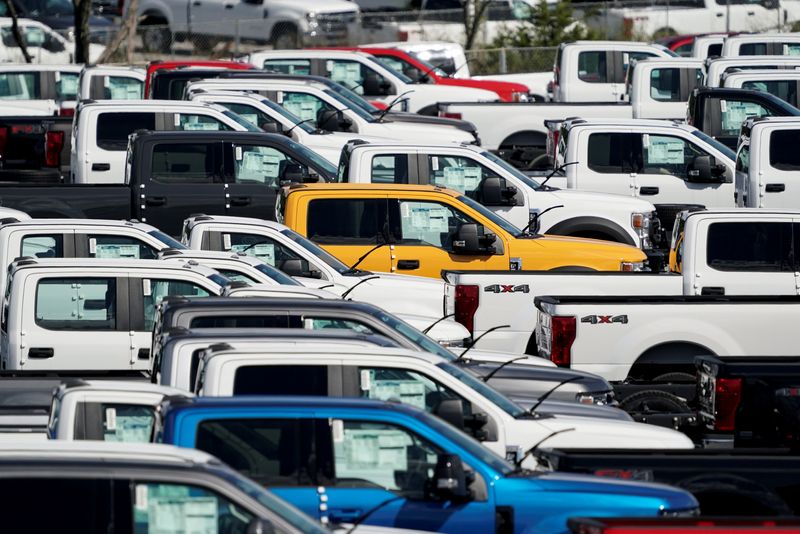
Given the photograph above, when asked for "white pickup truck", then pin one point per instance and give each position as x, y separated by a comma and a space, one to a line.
103, 82
56, 312
660, 90
781, 83
368, 77
716, 67
325, 109
503, 189
707, 258
423, 380
762, 44
767, 163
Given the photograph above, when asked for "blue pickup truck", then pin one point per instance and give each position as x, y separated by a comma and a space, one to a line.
389, 464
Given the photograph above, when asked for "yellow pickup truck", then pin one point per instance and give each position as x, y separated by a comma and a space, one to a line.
420, 230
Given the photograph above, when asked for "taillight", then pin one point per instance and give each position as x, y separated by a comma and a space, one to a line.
552, 143
53, 143
727, 396
66, 112
448, 115
466, 304
562, 336
3, 140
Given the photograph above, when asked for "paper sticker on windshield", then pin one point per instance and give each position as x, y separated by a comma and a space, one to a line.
665, 150
366, 379
238, 153
435, 163
111, 418
337, 430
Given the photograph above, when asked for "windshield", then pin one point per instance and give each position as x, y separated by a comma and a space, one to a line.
247, 125
492, 216
415, 336
288, 115
312, 247
167, 240
318, 161
730, 154
478, 385
219, 279
400, 75
516, 173
279, 276
352, 97
358, 110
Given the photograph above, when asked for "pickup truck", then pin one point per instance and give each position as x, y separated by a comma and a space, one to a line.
509, 193
37, 85
34, 148
763, 44
365, 75
160, 84
716, 67
707, 258
396, 488
102, 82
177, 177
57, 311
150, 484
424, 229
767, 163
780, 83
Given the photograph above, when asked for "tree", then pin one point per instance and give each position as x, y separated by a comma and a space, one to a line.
83, 11
546, 25
125, 34
474, 12
12, 12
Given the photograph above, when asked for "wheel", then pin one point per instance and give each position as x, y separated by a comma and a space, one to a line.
286, 39
654, 401
680, 378
156, 38
204, 43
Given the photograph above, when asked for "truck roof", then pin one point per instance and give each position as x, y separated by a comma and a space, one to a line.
172, 304
320, 348
121, 104
277, 291
669, 61
338, 188
411, 144
232, 335
95, 452
191, 254
311, 52
103, 264
71, 223
220, 135
633, 123
133, 386
227, 219
40, 67
761, 73
752, 121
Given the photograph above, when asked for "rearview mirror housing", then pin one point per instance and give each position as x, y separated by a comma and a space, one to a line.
299, 267
449, 479
452, 411
705, 169
471, 238
495, 192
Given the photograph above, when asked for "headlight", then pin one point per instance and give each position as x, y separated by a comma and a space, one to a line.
631, 266
312, 20
641, 222
455, 343
600, 398
517, 96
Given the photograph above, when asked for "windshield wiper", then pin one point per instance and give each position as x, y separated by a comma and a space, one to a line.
507, 362
535, 219
518, 463
551, 391
393, 103
437, 321
352, 269
460, 356
367, 279
363, 517
557, 169
287, 132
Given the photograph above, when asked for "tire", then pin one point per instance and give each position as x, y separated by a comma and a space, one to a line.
735, 495
286, 39
654, 401
156, 37
203, 43
679, 378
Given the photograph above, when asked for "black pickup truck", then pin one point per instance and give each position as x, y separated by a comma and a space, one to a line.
716, 111
175, 174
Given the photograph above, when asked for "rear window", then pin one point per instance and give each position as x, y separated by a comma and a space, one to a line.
281, 380
592, 67
753, 49
113, 128
352, 221
76, 304
611, 153
750, 246
183, 163
783, 152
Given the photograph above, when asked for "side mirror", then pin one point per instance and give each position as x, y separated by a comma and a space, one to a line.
449, 480
705, 169
451, 411
471, 238
259, 525
332, 120
298, 267
494, 192
253, 2
375, 85
296, 173
272, 127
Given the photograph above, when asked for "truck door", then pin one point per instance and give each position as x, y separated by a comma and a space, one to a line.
669, 90
206, 17
779, 186
106, 162
70, 317
349, 228
664, 176
611, 163
747, 257
180, 179
723, 117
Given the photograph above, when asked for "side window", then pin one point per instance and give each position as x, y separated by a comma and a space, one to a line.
191, 122
407, 386
263, 165
784, 89
246, 321
369, 454
250, 113
685, 50
113, 128
627, 58
19, 86
281, 380
76, 304
351, 74
127, 423
177, 508
346, 221
236, 276
272, 452
753, 49
122, 88
390, 169
783, 153
593, 67
665, 85
455, 172
43, 246
734, 112
427, 223
267, 250
750, 246
612, 153
715, 50
743, 158
182, 163
154, 292
289, 66
117, 246
664, 154
321, 323
305, 106
66, 85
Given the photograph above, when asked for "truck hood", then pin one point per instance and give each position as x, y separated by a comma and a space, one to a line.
609, 434
316, 6
539, 379
452, 93
557, 251
446, 330
571, 409
404, 116
605, 200
422, 132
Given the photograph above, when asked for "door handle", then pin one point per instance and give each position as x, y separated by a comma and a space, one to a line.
101, 166
344, 515
408, 264
648, 190
155, 201
143, 354
41, 352
720, 15
712, 291
228, 6
775, 188
240, 201
751, 13
196, 3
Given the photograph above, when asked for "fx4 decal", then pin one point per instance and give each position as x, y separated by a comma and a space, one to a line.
605, 319
503, 288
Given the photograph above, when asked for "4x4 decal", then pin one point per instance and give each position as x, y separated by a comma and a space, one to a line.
605, 319
507, 288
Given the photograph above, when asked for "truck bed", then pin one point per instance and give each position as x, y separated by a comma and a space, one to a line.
91, 201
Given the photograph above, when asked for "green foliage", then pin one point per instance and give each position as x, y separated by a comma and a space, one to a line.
546, 25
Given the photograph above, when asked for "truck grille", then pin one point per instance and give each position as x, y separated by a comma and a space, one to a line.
336, 23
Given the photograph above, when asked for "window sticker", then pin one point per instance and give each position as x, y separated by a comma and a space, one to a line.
735, 113
117, 251
263, 251
258, 166
120, 88
664, 150
304, 106
182, 514
791, 49
347, 74
129, 424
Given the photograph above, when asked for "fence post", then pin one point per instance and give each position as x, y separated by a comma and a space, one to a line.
236, 39
503, 64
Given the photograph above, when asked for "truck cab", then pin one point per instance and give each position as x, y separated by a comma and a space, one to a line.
102, 82
421, 230
34, 85
659, 88
767, 163
717, 66
56, 312
706, 46
761, 44
779, 83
